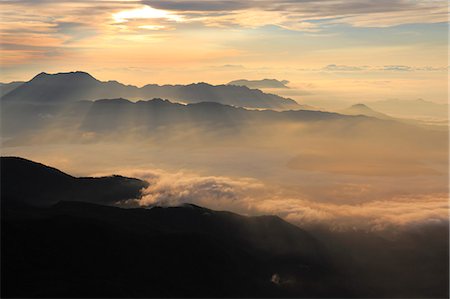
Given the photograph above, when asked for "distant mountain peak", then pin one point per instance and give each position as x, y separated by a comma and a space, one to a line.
41, 74
361, 106
76, 75
200, 84
363, 109
263, 83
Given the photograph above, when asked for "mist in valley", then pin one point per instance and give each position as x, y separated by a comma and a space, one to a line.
301, 165
367, 188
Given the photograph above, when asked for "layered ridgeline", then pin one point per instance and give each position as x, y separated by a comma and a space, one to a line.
57, 241
108, 115
295, 135
147, 118
76, 86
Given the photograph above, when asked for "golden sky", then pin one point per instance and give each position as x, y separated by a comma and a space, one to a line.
353, 50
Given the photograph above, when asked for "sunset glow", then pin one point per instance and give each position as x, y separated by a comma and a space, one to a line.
224, 148
381, 51
146, 12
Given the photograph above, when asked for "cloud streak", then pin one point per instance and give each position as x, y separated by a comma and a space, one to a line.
289, 13
178, 40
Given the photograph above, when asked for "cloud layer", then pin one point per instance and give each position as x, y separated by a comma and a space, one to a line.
305, 15
252, 197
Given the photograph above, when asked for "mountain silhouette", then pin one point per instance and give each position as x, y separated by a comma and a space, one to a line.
264, 83
121, 114
80, 249
27, 182
77, 86
363, 109
109, 115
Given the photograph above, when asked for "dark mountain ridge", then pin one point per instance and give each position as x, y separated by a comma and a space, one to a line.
76, 86
110, 115
156, 112
80, 249
85, 250
27, 182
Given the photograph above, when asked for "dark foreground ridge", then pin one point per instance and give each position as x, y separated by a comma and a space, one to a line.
78, 248
31, 183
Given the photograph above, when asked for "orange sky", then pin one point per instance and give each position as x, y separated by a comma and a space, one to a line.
349, 50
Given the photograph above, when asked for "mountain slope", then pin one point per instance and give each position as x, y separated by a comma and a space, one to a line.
7, 87
77, 86
362, 109
111, 115
65, 87
27, 182
79, 249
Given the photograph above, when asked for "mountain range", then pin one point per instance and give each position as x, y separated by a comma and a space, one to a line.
116, 115
60, 88
76, 86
